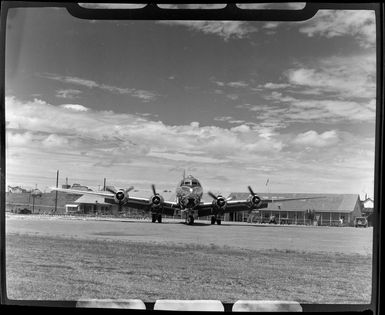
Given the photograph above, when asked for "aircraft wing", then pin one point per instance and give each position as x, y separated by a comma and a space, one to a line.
206, 208
85, 192
289, 199
168, 207
140, 203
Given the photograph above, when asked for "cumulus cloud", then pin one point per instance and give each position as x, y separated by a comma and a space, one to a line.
103, 130
313, 139
88, 144
75, 107
345, 76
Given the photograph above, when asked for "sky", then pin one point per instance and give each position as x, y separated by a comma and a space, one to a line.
234, 103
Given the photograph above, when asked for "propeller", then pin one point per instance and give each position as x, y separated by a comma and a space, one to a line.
111, 189
120, 195
212, 195
255, 200
156, 199
221, 201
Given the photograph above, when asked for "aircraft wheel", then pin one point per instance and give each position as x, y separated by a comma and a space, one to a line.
160, 218
153, 218
190, 220
219, 221
213, 220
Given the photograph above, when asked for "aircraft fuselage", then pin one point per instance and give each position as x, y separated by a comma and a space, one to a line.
189, 193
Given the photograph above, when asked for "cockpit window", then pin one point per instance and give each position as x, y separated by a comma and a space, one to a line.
187, 182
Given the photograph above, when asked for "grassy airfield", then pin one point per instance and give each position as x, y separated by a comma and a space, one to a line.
53, 266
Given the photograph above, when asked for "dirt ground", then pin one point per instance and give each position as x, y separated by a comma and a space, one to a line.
57, 258
231, 234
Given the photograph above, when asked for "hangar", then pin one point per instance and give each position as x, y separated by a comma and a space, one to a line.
329, 210
90, 204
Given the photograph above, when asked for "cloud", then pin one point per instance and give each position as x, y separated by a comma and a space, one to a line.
133, 149
229, 119
237, 84
75, 107
345, 76
144, 95
224, 29
334, 89
54, 140
313, 139
68, 93
272, 86
101, 131
359, 24
232, 84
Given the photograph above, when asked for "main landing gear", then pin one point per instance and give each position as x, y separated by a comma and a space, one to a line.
215, 219
156, 217
190, 220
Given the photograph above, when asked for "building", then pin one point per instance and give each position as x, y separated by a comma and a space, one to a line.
367, 210
92, 204
80, 187
16, 189
329, 210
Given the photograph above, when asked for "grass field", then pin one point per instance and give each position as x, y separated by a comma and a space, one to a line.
55, 268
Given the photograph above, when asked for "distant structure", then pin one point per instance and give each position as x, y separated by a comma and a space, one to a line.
66, 186
329, 210
367, 209
80, 187
16, 190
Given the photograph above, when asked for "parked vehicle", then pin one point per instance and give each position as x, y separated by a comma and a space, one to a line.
22, 211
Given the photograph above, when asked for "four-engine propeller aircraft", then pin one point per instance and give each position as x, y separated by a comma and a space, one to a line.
188, 203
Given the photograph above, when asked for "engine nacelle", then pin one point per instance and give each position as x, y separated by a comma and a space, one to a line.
254, 201
220, 203
156, 201
121, 196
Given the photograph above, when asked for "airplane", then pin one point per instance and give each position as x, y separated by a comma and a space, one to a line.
188, 204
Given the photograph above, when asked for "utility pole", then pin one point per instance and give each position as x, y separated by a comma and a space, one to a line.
57, 186
104, 185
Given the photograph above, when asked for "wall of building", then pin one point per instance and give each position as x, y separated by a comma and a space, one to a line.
43, 204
